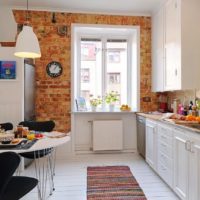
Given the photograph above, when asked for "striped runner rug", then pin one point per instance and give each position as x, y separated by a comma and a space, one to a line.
112, 183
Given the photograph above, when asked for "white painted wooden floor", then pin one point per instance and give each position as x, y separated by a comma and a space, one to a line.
70, 178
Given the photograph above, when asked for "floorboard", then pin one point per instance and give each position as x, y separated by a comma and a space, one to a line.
70, 178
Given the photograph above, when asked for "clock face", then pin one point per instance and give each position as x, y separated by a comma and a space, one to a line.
54, 69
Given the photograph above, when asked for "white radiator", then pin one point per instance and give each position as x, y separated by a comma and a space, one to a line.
107, 135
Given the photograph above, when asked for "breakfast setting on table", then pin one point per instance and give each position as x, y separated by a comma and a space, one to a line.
22, 137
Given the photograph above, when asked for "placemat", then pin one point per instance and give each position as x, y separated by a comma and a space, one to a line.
24, 144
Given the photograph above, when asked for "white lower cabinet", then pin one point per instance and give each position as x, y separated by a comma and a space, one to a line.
174, 153
187, 165
165, 153
151, 143
194, 169
181, 164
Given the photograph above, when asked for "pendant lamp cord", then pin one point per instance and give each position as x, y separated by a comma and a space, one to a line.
27, 18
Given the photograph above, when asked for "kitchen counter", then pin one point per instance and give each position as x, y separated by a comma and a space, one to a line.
161, 117
153, 115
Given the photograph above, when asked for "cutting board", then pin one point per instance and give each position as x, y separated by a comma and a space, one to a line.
177, 121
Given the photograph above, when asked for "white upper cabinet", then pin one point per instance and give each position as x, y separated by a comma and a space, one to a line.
175, 46
158, 51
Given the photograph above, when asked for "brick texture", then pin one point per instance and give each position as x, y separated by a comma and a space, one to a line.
53, 94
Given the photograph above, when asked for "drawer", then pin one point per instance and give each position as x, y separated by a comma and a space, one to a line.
165, 135
165, 139
165, 148
165, 160
166, 174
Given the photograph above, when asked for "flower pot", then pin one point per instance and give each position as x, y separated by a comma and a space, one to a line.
111, 107
93, 108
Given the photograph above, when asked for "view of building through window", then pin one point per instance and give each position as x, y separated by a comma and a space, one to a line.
103, 69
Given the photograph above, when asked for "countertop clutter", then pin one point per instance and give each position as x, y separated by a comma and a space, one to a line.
180, 121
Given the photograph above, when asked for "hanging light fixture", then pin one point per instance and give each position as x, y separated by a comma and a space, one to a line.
27, 45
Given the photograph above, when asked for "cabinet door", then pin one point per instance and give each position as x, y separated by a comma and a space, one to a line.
151, 144
158, 51
194, 171
181, 162
172, 45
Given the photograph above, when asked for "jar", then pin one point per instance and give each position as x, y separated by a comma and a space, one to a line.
25, 132
18, 131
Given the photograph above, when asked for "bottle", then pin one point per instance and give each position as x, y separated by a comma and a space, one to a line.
190, 108
175, 107
180, 109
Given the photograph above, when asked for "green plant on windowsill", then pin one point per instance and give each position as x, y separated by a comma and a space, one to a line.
95, 101
112, 97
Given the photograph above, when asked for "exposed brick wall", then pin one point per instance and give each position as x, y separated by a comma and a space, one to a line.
53, 94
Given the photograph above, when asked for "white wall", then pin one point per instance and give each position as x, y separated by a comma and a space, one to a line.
8, 25
11, 91
82, 129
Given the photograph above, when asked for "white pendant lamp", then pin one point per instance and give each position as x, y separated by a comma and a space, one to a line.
27, 45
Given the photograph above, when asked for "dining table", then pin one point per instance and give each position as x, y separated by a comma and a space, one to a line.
44, 166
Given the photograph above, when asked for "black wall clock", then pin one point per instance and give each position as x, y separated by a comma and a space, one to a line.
54, 69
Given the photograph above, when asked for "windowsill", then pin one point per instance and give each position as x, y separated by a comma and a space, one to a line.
100, 111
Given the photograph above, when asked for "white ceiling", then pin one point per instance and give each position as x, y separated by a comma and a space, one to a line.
122, 7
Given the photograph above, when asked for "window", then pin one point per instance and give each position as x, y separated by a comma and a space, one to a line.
105, 60
85, 75
113, 56
114, 78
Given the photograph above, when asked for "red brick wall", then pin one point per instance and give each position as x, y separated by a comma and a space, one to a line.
53, 94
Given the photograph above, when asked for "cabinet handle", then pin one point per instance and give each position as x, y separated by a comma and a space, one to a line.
163, 168
176, 72
164, 145
191, 147
187, 145
175, 5
164, 137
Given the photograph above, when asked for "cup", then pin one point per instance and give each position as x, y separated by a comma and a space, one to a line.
18, 131
25, 132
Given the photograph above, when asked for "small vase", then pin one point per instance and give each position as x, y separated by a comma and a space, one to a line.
93, 108
111, 107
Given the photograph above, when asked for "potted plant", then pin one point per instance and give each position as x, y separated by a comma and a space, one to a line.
94, 102
111, 98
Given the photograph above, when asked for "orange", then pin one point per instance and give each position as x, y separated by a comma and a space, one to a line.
198, 119
190, 118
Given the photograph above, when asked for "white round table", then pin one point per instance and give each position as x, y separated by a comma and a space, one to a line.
43, 143
44, 168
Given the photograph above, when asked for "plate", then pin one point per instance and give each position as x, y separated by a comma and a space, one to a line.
55, 134
21, 140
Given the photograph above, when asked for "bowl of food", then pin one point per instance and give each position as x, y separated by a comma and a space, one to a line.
6, 138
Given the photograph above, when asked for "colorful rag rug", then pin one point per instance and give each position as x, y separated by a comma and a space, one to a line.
112, 183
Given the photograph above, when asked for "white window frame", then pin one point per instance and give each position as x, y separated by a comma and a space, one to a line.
133, 59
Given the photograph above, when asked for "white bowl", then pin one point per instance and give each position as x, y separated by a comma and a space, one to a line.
6, 137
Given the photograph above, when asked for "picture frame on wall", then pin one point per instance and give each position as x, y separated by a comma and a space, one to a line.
7, 70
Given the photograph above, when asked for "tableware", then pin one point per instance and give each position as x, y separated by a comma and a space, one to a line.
6, 137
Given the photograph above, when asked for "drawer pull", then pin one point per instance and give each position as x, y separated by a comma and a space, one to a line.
164, 145
164, 137
163, 168
187, 145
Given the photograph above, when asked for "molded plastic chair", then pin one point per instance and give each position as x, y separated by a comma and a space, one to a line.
6, 126
44, 126
13, 187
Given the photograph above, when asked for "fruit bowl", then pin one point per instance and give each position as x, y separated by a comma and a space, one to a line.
125, 107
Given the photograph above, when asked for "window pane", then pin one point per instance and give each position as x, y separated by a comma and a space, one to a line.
91, 68
116, 68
